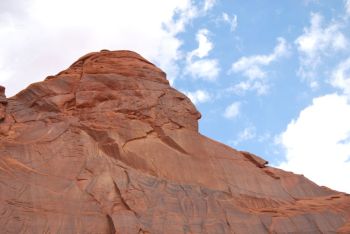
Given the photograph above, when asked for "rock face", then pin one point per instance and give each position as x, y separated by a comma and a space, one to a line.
107, 146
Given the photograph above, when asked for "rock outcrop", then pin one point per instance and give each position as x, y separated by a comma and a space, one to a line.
3, 103
107, 146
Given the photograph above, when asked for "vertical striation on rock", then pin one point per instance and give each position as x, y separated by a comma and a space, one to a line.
107, 146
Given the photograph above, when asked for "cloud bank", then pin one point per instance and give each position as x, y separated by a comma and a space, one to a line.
317, 143
40, 38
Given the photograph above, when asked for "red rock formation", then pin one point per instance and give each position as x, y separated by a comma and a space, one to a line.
107, 146
3, 103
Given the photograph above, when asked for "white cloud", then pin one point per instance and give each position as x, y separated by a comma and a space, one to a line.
251, 67
316, 42
347, 6
261, 87
208, 4
247, 134
197, 65
198, 96
231, 20
317, 143
341, 77
204, 45
40, 38
207, 69
232, 111
264, 137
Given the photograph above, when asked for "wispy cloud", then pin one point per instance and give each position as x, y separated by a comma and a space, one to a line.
231, 20
246, 134
197, 65
232, 111
208, 4
252, 67
261, 87
198, 96
316, 42
204, 45
347, 6
341, 77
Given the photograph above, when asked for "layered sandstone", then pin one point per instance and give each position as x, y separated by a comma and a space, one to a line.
107, 146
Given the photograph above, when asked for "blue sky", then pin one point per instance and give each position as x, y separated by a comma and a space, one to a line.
257, 32
272, 79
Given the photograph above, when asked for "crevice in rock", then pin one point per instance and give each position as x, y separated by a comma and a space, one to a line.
111, 224
270, 173
141, 231
137, 138
98, 135
315, 223
162, 136
257, 161
168, 140
111, 149
124, 203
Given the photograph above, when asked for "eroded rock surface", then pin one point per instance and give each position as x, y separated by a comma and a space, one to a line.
107, 146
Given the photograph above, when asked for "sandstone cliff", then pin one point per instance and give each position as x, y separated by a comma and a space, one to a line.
107, 146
